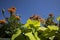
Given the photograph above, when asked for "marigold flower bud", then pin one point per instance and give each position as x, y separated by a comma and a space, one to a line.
17, 17
35, 17
50, 14
42, 20
2, 21
3, 10
12, 10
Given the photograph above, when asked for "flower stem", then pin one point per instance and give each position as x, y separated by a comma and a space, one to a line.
59, 23
59, 27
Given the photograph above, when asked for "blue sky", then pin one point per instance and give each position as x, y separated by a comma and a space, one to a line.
25, 8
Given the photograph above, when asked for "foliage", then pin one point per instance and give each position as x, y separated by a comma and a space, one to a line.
33, 29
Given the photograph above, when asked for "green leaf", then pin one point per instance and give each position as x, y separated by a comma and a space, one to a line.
36, 37
31, 36
42, 28
58, 18
22, 37
46, 34
18, 32
53, 27
35, 23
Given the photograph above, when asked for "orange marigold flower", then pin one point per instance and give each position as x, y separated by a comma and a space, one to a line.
12, 10
50, 14
17, 17
36, 17
2, 21
32, 16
